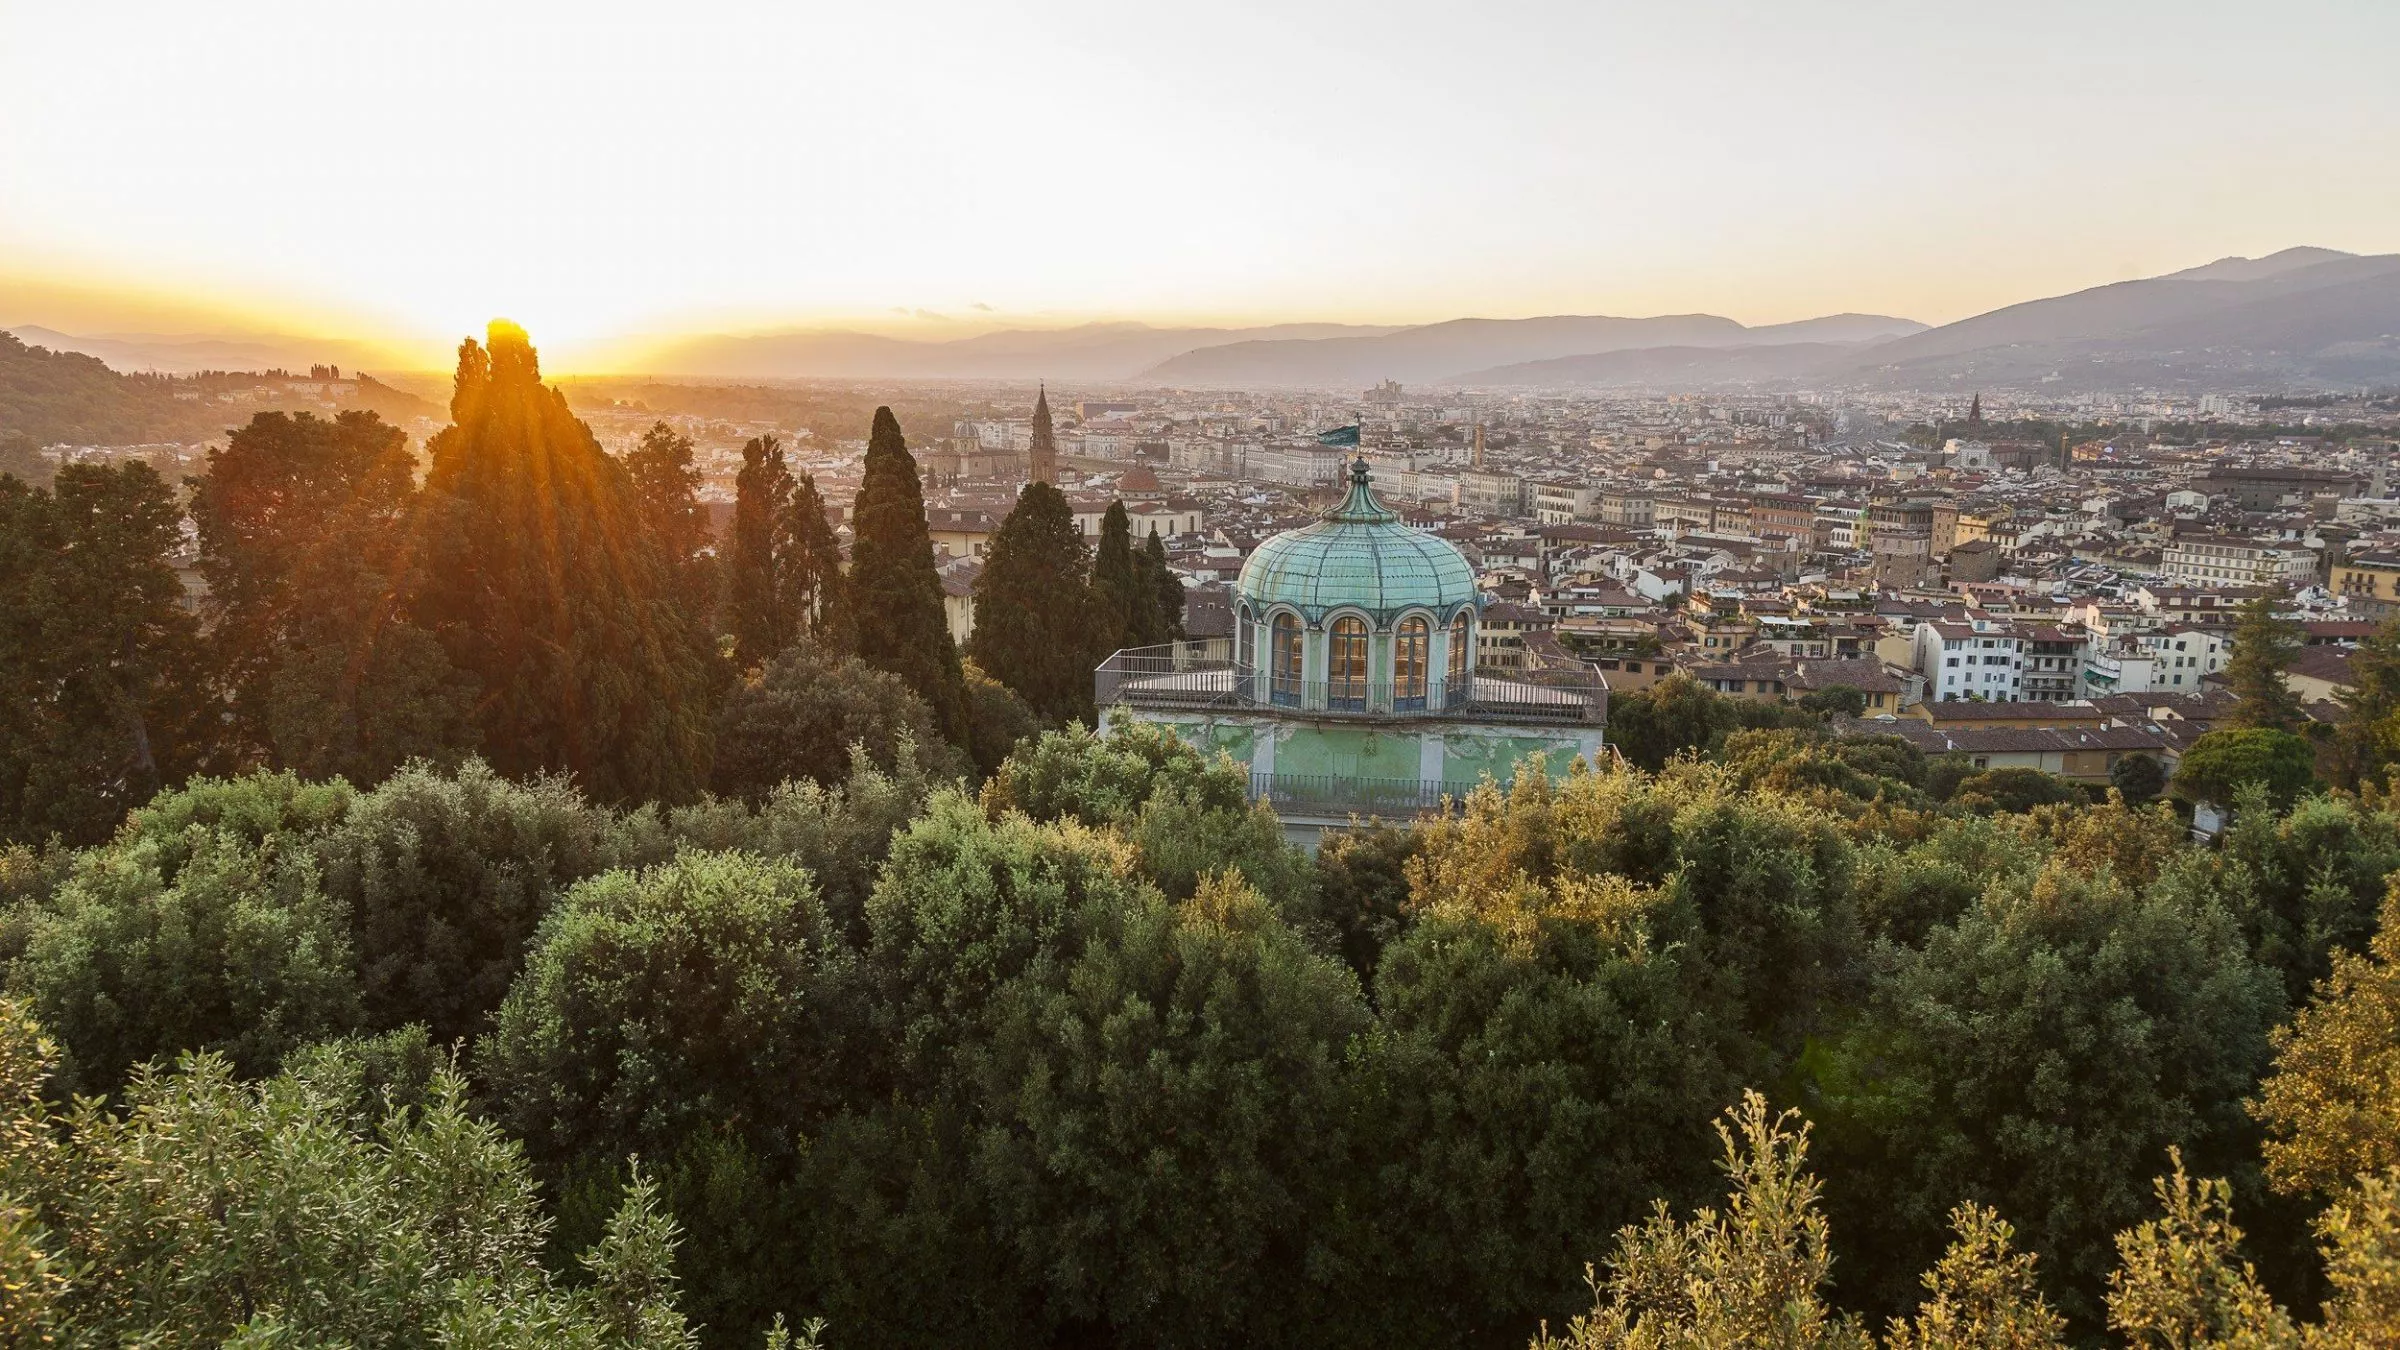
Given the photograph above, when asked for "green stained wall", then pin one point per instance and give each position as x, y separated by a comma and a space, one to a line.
1208, 736
1389, 752
1467, 755
1348, 752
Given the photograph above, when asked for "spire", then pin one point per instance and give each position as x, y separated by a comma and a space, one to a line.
1360, 506
1975, 411
1041, 465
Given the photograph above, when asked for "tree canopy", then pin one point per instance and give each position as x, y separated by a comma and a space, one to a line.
548, 594
1039, 627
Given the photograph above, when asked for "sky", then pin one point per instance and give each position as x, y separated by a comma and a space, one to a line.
609, 174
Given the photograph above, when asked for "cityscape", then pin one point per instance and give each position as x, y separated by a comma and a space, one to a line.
1268, 677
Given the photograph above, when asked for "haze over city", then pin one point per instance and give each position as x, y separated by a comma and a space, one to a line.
614, 175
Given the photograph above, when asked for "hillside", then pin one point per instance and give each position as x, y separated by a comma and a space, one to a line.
1442, 351
56, 396
2300, 317
1673, 367
191, 353
1092, 352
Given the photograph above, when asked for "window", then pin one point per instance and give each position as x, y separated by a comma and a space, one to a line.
1284, 656
1246, 634
1409, 647
1951, 661
1458, 651
1346, 664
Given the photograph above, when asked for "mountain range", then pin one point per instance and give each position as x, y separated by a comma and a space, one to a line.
2304, 317
1105, 352
2311, 318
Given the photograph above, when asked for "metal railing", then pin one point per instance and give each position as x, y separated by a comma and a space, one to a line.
1334, 794
1178, 677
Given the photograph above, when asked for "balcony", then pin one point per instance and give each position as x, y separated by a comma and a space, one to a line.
1175, 678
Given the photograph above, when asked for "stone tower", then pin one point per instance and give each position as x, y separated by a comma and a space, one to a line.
1041, 463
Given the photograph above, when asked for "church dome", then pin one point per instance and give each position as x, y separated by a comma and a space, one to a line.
1359, 556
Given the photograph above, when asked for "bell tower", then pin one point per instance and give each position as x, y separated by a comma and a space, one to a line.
1041, 462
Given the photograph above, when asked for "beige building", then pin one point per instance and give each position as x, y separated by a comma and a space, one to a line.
2224, 560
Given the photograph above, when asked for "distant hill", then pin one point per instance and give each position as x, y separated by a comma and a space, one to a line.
1104, 352
185, 353
2300, 317
1441, 351
53, 396
1671, 367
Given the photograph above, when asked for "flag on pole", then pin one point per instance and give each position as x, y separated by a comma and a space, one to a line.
1339, 436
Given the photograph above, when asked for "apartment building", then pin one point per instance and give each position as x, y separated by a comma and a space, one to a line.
1564, 503
1982, 658
2371, 583
2225, 560
2053, 669
1630, 509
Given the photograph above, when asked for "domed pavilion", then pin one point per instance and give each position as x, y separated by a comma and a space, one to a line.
1351, 683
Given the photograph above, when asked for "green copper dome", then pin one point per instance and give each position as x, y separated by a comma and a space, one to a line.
1358, 556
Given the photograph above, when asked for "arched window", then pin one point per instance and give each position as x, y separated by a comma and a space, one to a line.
1283, 655
1460, 658
1409, 648
1346, 664
1245, 639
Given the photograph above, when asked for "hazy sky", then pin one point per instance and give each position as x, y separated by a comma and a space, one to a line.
596, 169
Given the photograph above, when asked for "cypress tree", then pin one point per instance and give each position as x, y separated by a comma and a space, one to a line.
1165, 588
666, 489
2263, 648
895, 595
538, 581
755, 612
1037, 622
1128, 604
812, 571
2370, 727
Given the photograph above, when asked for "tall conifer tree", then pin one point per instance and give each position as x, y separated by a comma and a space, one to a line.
1127, 604
756, 613
812, 569
1166, 589
666, 488
2370, 729
1039, 627
540, 584
2263, 648
895, 595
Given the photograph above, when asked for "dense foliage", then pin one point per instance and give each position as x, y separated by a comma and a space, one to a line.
99, 662
810, 714
1096, 1056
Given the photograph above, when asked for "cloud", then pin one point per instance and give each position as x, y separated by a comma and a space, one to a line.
979, 305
